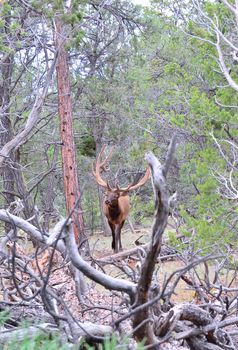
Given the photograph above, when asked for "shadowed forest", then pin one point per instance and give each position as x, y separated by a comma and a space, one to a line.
118, 175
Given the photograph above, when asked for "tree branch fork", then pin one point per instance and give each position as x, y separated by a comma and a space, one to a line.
142, 299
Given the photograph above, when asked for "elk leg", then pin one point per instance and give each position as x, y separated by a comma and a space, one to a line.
120, 245
113, 236
117, 237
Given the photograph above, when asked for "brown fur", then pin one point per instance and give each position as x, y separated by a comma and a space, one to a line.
116, 204
116, 208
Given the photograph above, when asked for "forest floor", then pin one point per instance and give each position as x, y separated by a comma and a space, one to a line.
99, 305
100, 246
102, 306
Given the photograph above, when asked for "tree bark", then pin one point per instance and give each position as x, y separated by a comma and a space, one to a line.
48, 194
11, 172
144, 330
6, 133
106, 227
70, 176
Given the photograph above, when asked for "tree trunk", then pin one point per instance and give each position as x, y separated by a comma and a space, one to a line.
142, 320
7, 171
71, 185
48, 194
106, 228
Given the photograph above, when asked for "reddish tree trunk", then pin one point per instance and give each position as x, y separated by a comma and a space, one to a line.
71, 185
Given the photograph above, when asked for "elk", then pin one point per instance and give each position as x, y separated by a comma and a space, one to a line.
116, 205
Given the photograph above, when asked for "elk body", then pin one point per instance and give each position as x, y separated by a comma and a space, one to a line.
116, 204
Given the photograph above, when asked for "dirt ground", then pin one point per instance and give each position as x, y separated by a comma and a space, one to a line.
100, 246
99, 305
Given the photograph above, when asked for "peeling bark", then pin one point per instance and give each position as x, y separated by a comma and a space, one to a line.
71, 185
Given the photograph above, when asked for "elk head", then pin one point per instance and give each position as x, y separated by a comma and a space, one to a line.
116, 204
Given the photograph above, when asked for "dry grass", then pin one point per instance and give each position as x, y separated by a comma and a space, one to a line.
100, 244
101, 247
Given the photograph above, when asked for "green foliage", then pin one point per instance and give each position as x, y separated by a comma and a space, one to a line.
50, 152
87, 146
4, 315
5, 8
40, 341
113, 343
193, 28
140, 90
141, 209
2, 23
219, 12
177, 119
58, 4
110, 344
206, 220
72, 18
233, 263
77, 39
90, 203
175, 242
177, 79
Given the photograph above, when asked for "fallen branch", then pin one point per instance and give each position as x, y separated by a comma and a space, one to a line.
87, 330
30, 229
133, 251
95, 275
121, 255
204, 330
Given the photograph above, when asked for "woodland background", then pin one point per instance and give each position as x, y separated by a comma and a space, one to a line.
133, 77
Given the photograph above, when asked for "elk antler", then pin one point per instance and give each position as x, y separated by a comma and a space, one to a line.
140, 183
100, 164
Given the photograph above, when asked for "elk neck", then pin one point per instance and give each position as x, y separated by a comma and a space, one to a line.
114, 211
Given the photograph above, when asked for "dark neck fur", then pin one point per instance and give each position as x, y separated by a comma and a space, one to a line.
114, 212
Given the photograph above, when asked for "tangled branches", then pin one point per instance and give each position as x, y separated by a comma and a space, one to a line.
65, 288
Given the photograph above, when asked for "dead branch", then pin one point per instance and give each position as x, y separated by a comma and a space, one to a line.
30, 229
85, 331
159, 173
24, 135
133, 252
20, 333
95, 275
124, 254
